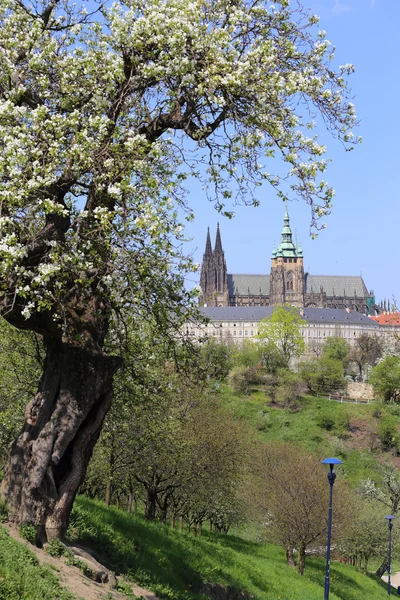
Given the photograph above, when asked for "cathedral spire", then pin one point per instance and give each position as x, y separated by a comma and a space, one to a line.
287, 248
218, 243
208, 250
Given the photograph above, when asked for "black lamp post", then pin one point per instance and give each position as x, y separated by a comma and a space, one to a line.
390, 523
331, 478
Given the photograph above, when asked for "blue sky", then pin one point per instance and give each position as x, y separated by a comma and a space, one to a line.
363, 231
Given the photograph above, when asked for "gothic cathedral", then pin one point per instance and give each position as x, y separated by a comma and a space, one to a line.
286, 283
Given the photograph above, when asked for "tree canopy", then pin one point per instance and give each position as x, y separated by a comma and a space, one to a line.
92, 111
281, 334
385, 378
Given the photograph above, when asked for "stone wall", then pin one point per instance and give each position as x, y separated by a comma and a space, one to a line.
360, 391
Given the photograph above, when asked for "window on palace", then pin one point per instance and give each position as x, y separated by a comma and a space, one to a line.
251, 332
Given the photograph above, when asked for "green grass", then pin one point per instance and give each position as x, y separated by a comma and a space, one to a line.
175, 564
21, 576
319, 426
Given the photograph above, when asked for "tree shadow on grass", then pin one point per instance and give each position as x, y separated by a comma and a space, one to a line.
342, 585
156, 555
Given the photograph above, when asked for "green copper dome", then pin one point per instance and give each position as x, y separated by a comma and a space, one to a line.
287, 248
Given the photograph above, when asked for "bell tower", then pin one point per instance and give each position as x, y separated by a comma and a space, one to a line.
287, 270
213, 275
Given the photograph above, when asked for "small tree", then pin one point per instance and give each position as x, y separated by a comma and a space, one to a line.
294, 496
322, 376
386, 492
281, 332
366, 351
336, 348
385, 378
367, 534
247, 354
215, 359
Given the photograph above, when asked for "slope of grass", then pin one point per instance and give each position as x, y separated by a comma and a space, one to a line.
326, 428
21, 576
175, 564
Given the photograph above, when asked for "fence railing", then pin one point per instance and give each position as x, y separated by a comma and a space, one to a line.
339, 398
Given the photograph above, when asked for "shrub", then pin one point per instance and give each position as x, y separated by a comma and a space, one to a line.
323, 375
326, 420
28, 532
55, 548
388, 433
385, 378
241, 378
291, 389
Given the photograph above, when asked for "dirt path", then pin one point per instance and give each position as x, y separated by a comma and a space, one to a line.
71, 578
394, 579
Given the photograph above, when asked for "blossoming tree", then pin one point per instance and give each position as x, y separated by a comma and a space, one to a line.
102, 116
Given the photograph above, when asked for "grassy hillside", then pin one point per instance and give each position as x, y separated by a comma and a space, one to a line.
327, 428
21, 576
175, 564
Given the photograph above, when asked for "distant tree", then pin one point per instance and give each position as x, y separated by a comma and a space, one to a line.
293, 500
316, 348
21, 362
215, 359
249, 354
366, 537
272, 359
336, 348
281, 332
366, 351
386, 491
241, 378
322, 375
385, 378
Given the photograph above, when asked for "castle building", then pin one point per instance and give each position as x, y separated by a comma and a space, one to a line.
287, 282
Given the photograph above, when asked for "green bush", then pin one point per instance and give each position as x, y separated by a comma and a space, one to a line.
28, 532
326, 420
241, 378
388, 433
55, 548
323, 375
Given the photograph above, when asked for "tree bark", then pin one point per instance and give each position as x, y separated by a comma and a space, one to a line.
107, 498
150, 510
301, 560
289, 556
383, 568
48, 461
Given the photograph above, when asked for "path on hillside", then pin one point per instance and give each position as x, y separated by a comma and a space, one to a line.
73, 580
394, 579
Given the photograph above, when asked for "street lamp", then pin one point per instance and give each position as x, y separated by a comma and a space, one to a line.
390, 523
331, 478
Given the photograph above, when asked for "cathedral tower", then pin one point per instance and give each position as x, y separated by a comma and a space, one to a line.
214, 276
287, 270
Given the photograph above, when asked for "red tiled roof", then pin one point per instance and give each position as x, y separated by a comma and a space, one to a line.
387, 318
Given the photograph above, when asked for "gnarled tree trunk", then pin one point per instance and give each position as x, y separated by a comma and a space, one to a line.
47, 462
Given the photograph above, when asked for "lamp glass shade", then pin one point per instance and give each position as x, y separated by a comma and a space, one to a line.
390, 517
332, 461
